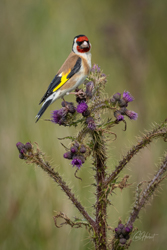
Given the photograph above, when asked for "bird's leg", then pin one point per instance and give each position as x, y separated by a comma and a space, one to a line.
79, 93
65, 102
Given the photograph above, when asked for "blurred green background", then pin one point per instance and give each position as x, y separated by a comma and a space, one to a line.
129, 42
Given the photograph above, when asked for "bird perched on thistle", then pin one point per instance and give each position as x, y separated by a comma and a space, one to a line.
71, 74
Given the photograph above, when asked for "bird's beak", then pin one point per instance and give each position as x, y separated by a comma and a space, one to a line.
84, 45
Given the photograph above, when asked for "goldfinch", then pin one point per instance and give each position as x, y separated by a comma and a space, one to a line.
71, 74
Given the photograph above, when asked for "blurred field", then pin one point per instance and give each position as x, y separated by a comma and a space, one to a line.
129, 42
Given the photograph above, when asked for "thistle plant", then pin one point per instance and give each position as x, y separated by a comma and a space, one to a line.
90, 140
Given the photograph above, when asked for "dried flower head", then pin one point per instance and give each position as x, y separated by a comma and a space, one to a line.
89, 89
91, 123
69, 105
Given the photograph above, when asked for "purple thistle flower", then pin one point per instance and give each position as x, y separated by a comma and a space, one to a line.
82, 107
127, 96
131, 114
95, 68
59, 115
118, 116
76, 162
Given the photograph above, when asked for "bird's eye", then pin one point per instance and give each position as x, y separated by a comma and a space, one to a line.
79, 43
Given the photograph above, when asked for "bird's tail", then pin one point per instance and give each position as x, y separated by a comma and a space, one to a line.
42, 110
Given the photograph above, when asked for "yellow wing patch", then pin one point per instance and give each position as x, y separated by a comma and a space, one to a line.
64, 79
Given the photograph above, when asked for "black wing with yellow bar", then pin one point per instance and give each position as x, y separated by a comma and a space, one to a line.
59, 81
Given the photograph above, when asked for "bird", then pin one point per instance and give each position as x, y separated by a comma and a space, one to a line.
72, 73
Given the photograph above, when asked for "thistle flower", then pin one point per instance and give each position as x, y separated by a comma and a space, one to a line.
127, 96
77, 162
82, 107
131, 114
118, 116
95, 68
58, 116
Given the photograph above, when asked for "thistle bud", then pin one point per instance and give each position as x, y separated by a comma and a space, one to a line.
122, 241
122, 103
68, 155
82, 149
74, 149
117, 96
19, 145
28, 146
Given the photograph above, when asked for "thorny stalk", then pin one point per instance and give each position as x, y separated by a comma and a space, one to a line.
101, 204
143, 197
39, 161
